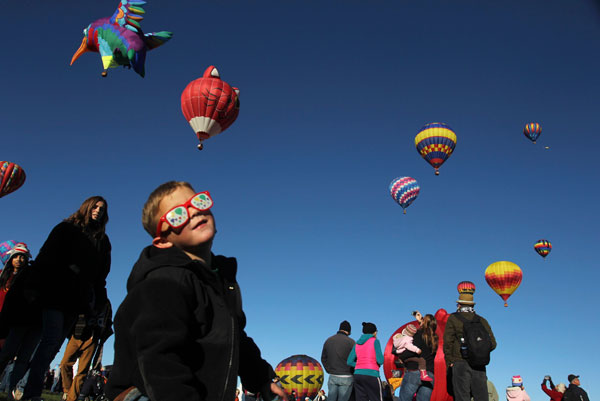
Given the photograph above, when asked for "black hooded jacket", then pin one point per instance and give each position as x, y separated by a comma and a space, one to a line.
179, 333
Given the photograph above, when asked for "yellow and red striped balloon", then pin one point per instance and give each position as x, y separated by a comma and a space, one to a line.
302, 374
504, 278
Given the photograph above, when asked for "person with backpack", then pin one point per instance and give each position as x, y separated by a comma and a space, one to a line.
468, 342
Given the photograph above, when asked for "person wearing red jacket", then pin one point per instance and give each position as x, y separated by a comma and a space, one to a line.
554, 392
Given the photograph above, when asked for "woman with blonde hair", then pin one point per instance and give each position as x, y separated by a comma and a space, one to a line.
427, 340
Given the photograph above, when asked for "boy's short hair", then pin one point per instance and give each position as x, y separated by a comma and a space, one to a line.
150, 211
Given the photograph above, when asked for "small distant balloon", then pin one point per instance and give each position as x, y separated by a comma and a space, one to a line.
12, 177
542, 247
532, 131
504, 278
404, 190
435, 142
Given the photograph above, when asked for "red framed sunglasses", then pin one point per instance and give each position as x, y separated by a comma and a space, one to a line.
178, 216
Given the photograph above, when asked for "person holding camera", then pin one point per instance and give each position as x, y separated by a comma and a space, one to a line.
554, 392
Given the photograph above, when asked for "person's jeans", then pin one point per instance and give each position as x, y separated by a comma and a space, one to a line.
339, 388
56, 325
468, 381
411, 384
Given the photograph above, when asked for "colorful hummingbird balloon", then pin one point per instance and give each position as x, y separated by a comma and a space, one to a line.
504, 278
12, 177
210, 104
435, 142
120, 40
404, 190
532, 131
543, 247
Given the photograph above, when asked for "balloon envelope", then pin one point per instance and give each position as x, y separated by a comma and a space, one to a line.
466, 287
543, 247
5, 247
12, 177
404, 190
210, 104
532, 131
302, 374
435, 142
504, 278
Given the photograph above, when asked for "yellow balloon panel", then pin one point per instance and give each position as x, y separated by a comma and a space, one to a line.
302, 374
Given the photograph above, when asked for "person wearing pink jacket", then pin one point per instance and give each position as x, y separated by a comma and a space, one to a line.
517, 391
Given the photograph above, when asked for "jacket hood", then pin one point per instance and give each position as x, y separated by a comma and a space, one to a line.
363, 339
514, 393
153, 258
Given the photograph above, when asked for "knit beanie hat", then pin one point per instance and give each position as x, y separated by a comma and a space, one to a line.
369, 328
5, 248
20, 247
409, 330
345, 325
517, 381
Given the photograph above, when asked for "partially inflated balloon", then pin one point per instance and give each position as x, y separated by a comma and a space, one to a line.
210, 104
404, 190
435, 143
12, 177
532, 131
543, 247
504, 278
5, 248
302, 374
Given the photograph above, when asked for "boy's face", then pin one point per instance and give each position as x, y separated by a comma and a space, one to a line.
198, 232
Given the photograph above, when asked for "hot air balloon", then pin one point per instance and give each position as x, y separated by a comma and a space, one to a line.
543, 247
435, 143
404, 190
466, 287
302, 374
210, 105
532, 131
12, 177
5, 248
504, 278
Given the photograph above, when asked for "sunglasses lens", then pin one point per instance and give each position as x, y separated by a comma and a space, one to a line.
202, 202
177, 217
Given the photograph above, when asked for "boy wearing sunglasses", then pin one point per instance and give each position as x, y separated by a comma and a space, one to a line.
179, 333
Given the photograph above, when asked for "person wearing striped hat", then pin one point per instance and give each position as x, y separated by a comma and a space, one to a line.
517, 392
467, 366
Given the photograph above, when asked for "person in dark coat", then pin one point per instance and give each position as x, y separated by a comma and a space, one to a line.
68, 278
427, 341
179, 332
20, 322
574, 392
333, 357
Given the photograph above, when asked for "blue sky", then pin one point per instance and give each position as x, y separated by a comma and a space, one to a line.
332, 96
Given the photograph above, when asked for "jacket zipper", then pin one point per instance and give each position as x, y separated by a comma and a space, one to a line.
230, 358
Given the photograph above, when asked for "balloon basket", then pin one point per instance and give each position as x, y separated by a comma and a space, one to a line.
200, 146
506, 305
437, 172
104, 73
404, 211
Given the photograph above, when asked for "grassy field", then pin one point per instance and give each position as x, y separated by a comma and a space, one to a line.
46, 395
